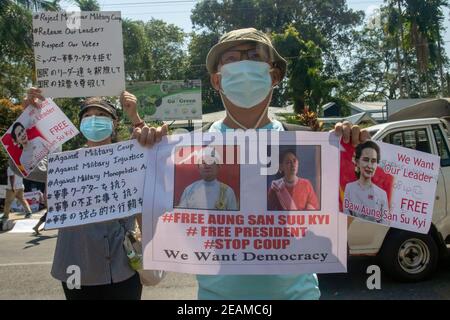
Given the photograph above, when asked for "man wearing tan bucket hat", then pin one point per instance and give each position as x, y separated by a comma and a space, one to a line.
244, 68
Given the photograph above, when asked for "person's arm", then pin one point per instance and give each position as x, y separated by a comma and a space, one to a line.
145, 135
129, 106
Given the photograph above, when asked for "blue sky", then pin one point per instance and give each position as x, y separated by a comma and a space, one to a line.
178, 12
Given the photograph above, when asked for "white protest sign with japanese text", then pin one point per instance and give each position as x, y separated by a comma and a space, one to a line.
220, 204
95, 184
390, 185
79, 54
36, 133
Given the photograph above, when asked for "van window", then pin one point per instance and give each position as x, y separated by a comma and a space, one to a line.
442, 146
416, 139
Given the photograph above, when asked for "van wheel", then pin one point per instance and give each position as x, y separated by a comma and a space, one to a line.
409, 256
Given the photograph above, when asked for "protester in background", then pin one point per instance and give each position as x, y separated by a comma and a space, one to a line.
43, 203
15, 190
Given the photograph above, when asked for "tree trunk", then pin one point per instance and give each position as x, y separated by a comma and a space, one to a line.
441, 72
299, 105
399, 68
405, 57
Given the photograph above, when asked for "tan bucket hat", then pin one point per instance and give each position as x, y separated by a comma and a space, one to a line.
237, 37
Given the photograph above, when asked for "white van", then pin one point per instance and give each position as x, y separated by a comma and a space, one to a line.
406, 255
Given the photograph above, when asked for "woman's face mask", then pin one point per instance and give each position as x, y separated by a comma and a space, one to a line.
96, 128
246, 83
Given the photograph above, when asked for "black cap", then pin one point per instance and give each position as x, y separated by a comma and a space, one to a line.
98, 103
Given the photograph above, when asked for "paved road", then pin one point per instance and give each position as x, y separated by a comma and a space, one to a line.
25, 263
352, 285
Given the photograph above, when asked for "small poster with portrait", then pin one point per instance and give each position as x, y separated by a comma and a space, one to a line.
253, 202
37, 132
389, 185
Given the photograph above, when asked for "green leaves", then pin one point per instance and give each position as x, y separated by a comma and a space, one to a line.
308, 85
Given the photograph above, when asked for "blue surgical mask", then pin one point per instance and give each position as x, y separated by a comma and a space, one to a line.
246, 83
96, 128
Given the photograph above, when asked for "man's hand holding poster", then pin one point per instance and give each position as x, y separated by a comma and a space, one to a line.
244, 203
36, 133
389, 185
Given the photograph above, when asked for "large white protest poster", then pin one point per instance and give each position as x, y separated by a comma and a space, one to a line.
79, 54
223, 205
389, 185
37, 132
95, 184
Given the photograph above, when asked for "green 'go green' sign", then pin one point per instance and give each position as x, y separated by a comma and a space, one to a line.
168, 100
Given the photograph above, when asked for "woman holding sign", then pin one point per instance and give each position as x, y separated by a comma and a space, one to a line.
90, 260
362, 198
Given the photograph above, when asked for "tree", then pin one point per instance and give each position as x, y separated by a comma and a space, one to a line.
198, 49
164, 55
308, 86
330, 18
328, 24
394, 23
87, 5
394, 57
370, 68
425, 19
36, 5
17, 59
153, 50
135, 45
417, 27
